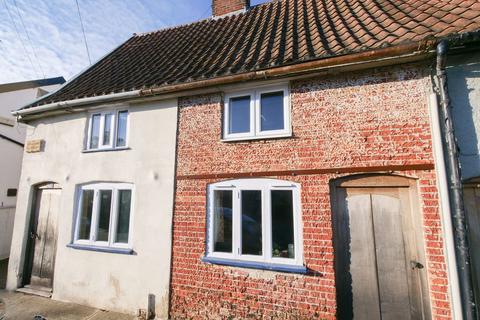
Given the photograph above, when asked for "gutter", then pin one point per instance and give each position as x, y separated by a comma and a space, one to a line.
410, 50
76, 103
455, 188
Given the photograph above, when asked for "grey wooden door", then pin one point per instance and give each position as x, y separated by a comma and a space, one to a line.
379, 258
44, 236
472, 207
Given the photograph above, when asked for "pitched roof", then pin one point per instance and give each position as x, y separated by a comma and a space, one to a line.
276, 33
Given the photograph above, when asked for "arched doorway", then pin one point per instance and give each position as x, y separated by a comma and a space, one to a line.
42, 239
379, 255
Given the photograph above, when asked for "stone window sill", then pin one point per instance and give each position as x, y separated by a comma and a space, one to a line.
101, 249
105, 150
256, 265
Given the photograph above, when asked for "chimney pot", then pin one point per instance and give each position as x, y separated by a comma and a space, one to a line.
223, 7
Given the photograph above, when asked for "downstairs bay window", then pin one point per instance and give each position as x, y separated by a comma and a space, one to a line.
104, 215
255, 223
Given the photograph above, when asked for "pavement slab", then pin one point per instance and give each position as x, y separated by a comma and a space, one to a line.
19, 306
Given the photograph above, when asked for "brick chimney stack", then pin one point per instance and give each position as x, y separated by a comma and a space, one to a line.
222, 7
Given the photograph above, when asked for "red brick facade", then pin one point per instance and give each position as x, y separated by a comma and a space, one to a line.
372, 118
221, 7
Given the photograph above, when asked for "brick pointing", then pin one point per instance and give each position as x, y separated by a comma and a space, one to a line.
221, 7
374, 118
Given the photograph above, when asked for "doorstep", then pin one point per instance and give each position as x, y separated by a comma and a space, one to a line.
36, 291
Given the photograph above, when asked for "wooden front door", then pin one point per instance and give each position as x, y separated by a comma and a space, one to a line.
379, 268
471, 195
43, 236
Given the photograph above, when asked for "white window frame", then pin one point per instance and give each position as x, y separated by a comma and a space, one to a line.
265, 186
227, 116
111, 243
112, 145
255, 115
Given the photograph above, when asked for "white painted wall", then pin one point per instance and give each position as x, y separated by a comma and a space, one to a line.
464, 90
11, 159
105, 280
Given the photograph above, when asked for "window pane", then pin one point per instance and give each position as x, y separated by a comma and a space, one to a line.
107, 129
271, 111
122, 129
95, 131
239, 114
104, 215
222, 224
252, 222
282, 224
85, 215
123, 221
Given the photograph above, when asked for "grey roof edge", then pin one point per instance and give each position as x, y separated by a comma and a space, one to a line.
14, 86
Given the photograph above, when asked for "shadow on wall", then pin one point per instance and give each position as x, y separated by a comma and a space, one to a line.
464, 90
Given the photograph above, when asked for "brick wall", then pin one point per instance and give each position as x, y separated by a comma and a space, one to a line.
371, 118
221, 7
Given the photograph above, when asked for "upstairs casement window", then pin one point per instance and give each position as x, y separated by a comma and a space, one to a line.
257, 114
255, 220
107, 130
104, 215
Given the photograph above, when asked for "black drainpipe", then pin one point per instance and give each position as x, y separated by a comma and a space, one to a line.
456, 188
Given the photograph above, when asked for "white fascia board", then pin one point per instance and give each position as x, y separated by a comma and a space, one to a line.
77, 102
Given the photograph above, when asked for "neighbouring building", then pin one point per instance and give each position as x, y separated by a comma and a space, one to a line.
276, 161
464, 88
12, 137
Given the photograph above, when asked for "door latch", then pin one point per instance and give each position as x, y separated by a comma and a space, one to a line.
416, 265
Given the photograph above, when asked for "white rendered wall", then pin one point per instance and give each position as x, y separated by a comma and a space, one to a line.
105, 280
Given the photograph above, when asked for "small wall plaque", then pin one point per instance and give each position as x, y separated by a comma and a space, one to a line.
34, 146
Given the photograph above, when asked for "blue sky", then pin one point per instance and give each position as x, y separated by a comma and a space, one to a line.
43, 38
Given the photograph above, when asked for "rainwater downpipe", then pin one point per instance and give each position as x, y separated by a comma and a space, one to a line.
455, 187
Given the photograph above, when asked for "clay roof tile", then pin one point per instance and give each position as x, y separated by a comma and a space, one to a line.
276, 33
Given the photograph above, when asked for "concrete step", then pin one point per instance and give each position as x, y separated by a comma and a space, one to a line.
37, 291
34, 287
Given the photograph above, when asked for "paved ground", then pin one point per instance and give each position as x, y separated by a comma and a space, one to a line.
3, 273
19, 306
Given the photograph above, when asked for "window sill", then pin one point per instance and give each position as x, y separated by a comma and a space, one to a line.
100, 249
106, 150
265, 137
256, 265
